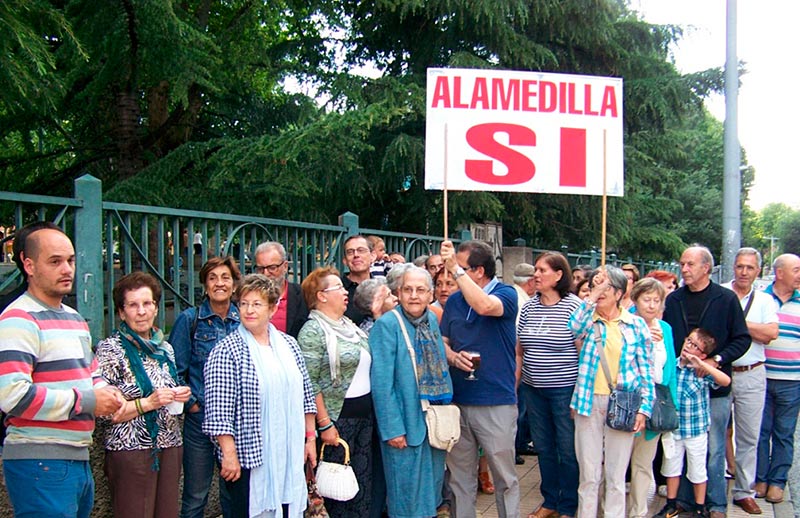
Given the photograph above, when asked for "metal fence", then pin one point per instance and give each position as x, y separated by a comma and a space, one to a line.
112, 239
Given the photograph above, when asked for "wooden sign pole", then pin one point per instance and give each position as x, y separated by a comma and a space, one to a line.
605, 206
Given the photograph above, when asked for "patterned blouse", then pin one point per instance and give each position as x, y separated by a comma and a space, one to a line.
133, 434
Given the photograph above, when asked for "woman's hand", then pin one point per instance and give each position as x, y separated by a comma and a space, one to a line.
600, 285
182, 394
656, 331
330, 436
230, 470
311, 452
638, 426
160, 397
398, 442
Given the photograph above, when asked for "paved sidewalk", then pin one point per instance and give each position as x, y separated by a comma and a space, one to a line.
529, 479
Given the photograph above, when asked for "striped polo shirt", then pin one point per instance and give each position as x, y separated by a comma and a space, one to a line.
783, 353
46, 381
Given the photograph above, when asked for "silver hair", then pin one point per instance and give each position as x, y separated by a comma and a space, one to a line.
270, 289
705, 255
395, 276
416, 269
616, 277
271, 245
523, 279
365, 294
746, 250
421, 260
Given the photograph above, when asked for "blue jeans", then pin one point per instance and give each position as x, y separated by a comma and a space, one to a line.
199, 461
523, 429
553, 432
781, 406
53, 488
717, 490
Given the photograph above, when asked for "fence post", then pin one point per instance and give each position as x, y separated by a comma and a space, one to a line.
349, 221
89, 253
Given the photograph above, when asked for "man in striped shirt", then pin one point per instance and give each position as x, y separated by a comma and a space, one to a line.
782, 403
48, 388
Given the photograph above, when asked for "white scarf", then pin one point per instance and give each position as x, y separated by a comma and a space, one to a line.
344, 329
280, 477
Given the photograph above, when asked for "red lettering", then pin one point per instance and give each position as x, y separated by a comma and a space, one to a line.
609, 102
528, 95
520, 167
562, 97
547, 96
502, 99
587, 100
480, 94
573, 158
572, 109
441, 93
457, 97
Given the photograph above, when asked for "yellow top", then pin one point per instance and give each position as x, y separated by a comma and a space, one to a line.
613, 352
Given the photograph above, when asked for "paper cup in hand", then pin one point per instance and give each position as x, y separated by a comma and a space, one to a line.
175, 408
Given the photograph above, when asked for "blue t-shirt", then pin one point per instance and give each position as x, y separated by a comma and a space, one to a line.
494, 337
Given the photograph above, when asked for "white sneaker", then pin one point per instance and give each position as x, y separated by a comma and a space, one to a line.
662, 491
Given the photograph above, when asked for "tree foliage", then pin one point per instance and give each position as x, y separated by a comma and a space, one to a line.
197, 104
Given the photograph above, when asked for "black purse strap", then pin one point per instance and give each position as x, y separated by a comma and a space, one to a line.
749, 303
598, 341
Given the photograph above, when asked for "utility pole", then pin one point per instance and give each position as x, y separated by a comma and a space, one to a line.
732, 183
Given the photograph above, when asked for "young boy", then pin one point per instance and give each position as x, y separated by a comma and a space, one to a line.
695, 377
382, 263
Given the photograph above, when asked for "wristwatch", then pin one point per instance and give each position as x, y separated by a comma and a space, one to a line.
459, 273
717, 358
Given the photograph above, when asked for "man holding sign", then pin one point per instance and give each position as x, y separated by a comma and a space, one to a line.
478, 327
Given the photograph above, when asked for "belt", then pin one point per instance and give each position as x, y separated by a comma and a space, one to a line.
746, 368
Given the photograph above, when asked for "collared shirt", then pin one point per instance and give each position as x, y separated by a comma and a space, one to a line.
783, 353
635, 366
233, 402
495, 338
279, 319
763, 310
694, 415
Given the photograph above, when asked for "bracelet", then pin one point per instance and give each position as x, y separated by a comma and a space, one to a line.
310, 434
326, 427
138, 403
324, 420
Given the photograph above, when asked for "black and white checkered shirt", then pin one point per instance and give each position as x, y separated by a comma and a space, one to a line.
232, 397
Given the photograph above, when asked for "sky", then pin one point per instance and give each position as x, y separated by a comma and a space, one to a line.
767, 43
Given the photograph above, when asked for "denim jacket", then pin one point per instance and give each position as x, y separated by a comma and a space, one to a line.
191, 353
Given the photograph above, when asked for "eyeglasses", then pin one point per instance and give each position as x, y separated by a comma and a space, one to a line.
271, 268
148, 305
333, 288
257, 305
693, 344
350, 252
410, 290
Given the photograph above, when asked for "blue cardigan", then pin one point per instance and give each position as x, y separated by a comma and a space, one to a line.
669, 377
394, 387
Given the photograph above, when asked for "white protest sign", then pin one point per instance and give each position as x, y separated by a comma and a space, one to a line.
500, 130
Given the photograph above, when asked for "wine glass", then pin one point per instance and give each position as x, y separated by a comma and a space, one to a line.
475, 357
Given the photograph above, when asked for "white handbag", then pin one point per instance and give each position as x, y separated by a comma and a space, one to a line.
336, 481
443, 421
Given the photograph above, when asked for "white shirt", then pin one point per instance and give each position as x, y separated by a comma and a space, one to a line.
763, 311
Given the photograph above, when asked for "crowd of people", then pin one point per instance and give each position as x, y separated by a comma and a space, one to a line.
264, 375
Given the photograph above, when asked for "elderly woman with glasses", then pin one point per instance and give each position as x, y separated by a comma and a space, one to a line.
259, 408
338, 357
598, 323
414, 470
143, 445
